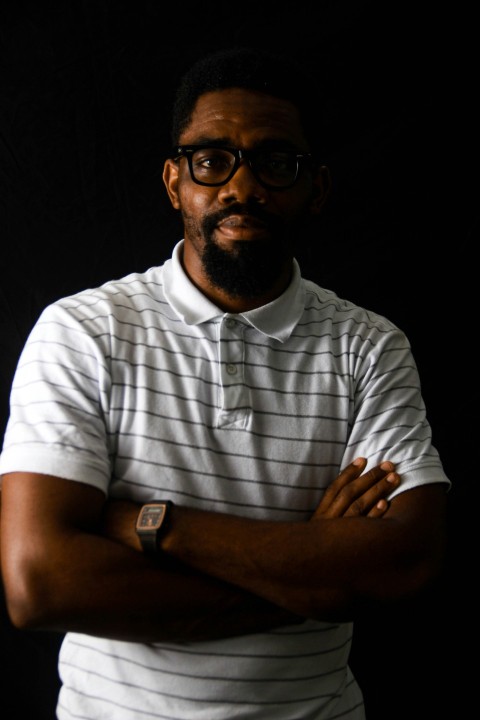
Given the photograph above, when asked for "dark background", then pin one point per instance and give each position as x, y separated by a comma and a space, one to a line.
85, 97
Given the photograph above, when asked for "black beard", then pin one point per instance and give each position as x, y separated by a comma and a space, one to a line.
252, 267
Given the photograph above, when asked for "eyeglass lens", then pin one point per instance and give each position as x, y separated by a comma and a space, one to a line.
214, 166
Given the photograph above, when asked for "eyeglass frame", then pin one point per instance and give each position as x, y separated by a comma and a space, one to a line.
187, 151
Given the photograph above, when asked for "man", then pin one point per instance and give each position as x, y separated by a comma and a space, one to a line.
212, 467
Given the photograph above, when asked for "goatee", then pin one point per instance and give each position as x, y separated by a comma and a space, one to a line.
251, 267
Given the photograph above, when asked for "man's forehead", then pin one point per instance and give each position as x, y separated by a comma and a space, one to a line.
238, 111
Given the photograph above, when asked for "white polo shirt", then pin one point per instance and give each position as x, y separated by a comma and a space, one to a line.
145, 389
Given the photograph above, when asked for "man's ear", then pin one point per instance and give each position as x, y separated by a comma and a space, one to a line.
170, 178
321, 189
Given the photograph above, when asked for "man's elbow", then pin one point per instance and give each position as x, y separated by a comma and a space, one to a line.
419, 546
426, 570
411, 574
29, 597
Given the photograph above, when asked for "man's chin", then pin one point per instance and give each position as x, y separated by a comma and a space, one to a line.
249, 269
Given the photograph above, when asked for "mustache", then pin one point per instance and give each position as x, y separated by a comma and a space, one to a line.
272, 222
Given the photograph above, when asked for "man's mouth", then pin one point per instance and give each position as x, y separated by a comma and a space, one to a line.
247, 221
243, 227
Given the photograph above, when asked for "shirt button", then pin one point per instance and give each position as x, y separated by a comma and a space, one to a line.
231, 369
230, 323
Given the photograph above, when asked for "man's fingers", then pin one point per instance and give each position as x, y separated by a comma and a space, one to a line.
353, 494
366, 503
346, 476
379, 509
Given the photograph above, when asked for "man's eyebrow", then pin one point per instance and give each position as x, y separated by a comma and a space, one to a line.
277, 144
207, 141
265, 144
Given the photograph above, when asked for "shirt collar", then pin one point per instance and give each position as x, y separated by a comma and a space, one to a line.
276, 319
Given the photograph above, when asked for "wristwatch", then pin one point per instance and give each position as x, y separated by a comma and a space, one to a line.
151, 520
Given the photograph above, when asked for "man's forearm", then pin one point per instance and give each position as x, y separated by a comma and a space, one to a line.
112, 592
67, 578
355, 549
322, 569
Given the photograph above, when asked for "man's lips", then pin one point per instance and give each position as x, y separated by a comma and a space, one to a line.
242, 221
243, 227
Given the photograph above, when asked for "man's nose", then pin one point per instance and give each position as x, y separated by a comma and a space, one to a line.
243, 185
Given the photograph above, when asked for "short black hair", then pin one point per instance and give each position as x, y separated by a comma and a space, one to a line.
253, 69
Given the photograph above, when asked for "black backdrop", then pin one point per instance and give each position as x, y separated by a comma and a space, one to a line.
85, 94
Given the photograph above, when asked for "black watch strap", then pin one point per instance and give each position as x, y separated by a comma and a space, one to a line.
151, 521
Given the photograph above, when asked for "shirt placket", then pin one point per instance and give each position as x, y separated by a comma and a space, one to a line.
235, 407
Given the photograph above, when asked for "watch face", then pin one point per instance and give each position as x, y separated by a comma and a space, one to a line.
151, 517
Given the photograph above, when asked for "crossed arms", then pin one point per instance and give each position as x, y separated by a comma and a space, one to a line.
71, 560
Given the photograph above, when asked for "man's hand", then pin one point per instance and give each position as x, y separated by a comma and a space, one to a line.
352, 494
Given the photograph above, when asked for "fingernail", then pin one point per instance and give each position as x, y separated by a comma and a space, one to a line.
358, 461
392, 478
387, 465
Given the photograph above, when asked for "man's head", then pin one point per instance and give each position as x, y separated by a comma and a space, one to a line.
253, 69
244, 173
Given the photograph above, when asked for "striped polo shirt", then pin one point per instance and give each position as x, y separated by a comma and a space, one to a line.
145, 389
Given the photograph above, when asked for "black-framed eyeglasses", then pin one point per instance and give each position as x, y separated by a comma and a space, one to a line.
275, 169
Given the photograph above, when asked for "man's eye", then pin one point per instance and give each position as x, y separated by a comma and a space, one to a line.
211, 160
279, 161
